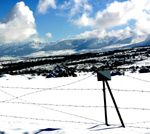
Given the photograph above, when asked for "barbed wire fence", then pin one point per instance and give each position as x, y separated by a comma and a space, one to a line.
44, 105
137, 78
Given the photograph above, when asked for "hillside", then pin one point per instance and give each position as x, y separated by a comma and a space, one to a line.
61, 94
63, 66
67, 47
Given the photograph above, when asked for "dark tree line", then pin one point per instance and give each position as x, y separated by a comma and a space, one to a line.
106, 60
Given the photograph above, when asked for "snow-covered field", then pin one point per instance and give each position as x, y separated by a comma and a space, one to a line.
73, 105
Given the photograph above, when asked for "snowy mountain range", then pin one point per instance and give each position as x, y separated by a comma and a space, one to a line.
69, 46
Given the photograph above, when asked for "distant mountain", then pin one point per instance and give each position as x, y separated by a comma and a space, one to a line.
70, 46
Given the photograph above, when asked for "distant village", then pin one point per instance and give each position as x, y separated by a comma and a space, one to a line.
118, 61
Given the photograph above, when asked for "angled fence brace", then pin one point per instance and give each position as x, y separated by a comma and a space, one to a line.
105, 104
104, 76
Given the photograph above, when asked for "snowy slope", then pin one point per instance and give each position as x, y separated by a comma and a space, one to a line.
68, 46
31, 105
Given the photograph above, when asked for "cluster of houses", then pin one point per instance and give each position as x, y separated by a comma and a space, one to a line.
64, 66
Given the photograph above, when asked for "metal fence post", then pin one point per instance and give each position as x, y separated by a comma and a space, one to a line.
104, 76
105, 104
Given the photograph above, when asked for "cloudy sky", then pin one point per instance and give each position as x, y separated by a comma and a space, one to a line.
53, 20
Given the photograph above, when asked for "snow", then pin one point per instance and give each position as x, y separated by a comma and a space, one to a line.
141, 63
31, 104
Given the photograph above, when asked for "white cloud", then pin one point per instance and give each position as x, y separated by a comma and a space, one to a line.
66, 5
19, 24
49, 35
43, 5
79, 6
101, 34
119, 13
84, 21
74, 8
93, 34
115, 14
37, 39
88, 7
131, 36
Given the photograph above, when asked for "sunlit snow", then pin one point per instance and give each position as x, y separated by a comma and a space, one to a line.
73, 105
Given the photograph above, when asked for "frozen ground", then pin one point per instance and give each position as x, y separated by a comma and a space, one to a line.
73, 105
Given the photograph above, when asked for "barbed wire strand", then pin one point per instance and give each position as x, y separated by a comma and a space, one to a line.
142, 122
51, 88
138, 127
45, 89
81, 89
124, 90
76, 89
137, 78
131, 108
76, 106
29, 118
51, 108
14, 97
70, 89
40, 119
72, 105
57, 105
67, 121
